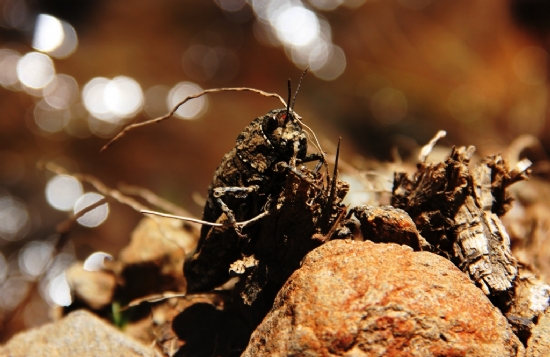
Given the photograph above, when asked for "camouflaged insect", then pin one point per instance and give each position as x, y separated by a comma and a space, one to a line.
250, 176
307, 212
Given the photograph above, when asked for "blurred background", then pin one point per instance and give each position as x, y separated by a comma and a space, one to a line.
384, 75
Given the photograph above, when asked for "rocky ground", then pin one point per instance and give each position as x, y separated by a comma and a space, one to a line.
389, 283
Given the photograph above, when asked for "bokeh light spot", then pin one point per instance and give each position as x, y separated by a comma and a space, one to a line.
53, 36
50, 119
297, 26
34, 257
8, 68
48, 33
62, 191
12, 292
112, 100
61, 92
193, 108
96, 261
93, 95
59, 291
35, 70
14, 218
123, 96
96, 216
334, 65
69, 44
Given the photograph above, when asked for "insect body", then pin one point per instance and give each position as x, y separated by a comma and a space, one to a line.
244, 183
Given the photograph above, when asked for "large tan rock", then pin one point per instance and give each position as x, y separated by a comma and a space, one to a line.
79, 334
365, 299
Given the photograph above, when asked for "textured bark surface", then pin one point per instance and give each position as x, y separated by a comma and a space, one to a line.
366, 299
456, 208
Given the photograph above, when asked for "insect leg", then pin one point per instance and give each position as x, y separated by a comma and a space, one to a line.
239, 192
314, 157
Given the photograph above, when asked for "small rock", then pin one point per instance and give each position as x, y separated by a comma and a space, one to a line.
156, 238
78, 334
95, 288
153, 260
365, 299
539, 343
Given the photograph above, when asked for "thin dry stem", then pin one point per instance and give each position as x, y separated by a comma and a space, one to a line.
213, 224
98, 185
316, 142
182, 218
65, 226
153, 199
427, 149
176, 107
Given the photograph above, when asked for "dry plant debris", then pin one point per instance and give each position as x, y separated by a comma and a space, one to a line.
456, 208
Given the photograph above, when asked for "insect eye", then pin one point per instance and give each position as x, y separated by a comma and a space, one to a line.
272, 123
275, 121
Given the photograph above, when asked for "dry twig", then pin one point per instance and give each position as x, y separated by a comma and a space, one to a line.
186, 99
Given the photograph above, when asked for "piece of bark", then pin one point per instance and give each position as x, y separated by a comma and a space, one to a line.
365, 299
456, 208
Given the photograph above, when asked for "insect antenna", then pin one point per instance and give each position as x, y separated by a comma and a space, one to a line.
186, 99
297, 89
289, 96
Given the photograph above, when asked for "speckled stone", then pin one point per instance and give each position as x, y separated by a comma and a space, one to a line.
78, 334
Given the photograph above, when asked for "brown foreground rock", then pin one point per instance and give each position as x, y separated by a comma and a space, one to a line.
78, 334
365, 299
